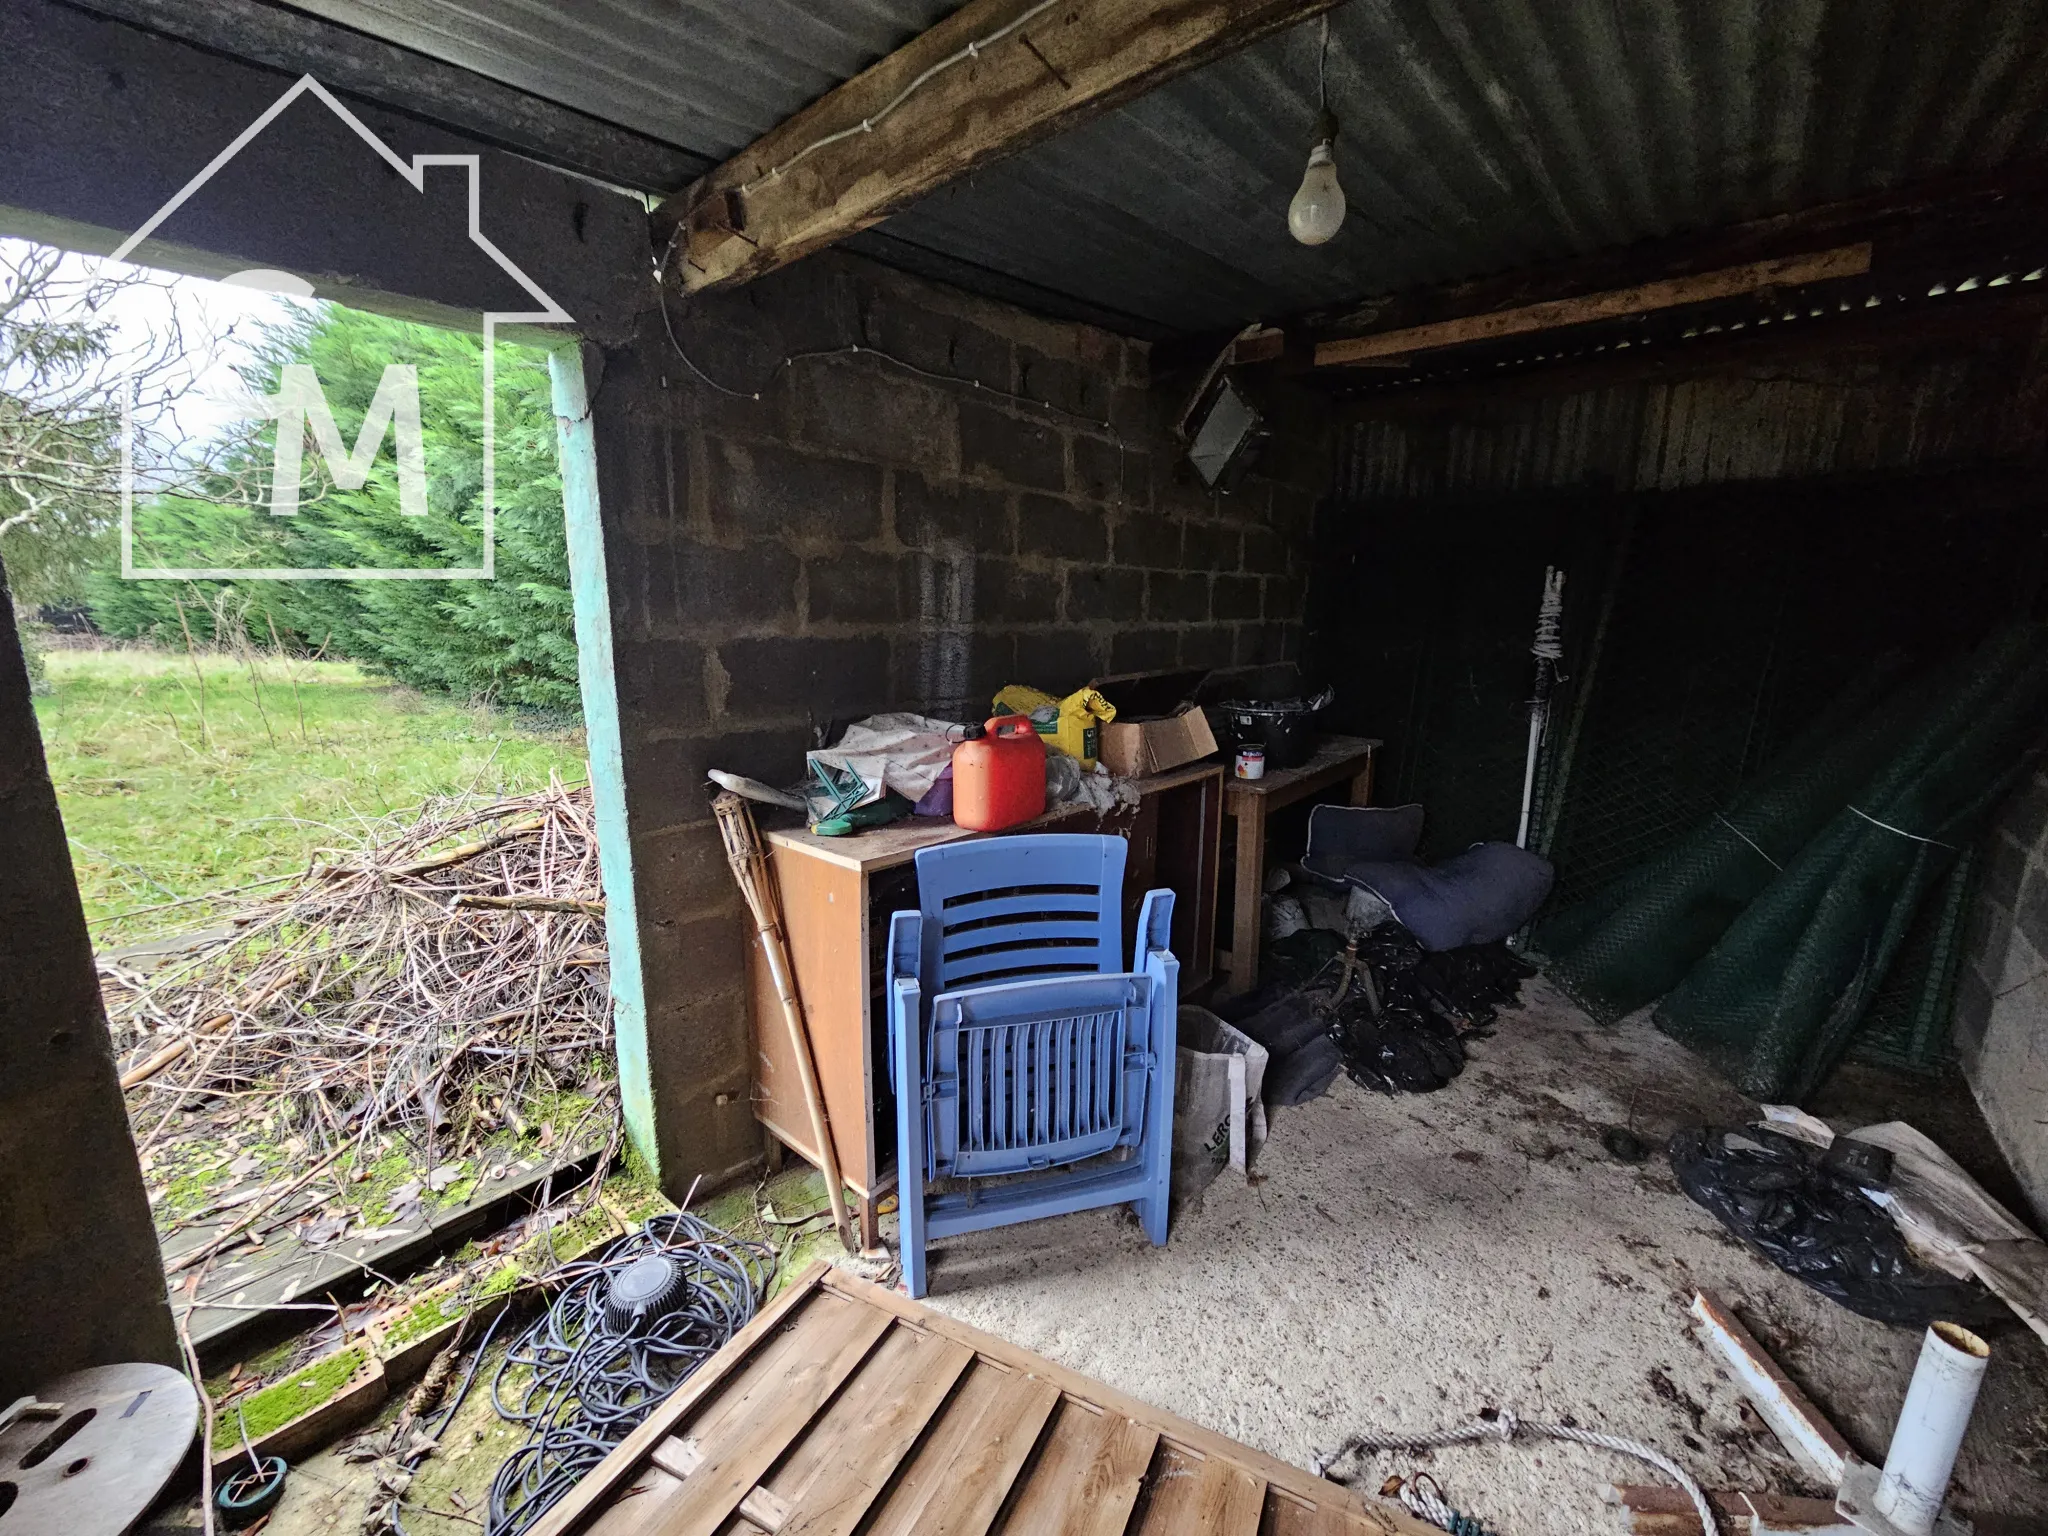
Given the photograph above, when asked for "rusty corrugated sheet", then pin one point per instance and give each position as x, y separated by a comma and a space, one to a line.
1480, 135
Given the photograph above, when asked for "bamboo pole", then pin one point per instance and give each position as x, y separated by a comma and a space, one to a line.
757, 885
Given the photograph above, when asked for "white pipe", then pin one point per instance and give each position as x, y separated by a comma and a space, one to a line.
1536, 717
1930, 1428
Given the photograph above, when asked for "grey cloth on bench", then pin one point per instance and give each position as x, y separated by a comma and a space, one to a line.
1479, 896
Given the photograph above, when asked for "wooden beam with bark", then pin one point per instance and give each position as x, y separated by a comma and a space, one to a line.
1051, 66
1957, 234
1614, 304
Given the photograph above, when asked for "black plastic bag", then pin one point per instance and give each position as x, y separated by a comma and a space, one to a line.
1811, 1219
1404, 1050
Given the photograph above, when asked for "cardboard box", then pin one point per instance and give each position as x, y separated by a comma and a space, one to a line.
1133, 748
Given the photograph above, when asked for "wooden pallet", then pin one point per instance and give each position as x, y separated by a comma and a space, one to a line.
846, 1408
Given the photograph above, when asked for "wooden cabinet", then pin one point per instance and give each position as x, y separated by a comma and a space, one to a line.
837, 895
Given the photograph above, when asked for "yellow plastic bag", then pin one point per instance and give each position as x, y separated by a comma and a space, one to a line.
1071, 725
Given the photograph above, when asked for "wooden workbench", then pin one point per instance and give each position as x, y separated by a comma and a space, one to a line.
843, 1407
1341, 763
837, 894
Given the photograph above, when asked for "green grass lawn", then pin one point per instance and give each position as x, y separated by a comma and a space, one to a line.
179, 781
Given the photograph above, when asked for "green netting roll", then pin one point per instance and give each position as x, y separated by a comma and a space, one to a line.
1775, 1001
1635, 939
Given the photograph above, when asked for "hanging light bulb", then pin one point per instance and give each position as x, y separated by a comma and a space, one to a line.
1318, 207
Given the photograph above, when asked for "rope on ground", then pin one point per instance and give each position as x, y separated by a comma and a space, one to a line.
1503, 1428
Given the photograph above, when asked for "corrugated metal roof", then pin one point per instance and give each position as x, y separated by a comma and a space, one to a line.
1479, 135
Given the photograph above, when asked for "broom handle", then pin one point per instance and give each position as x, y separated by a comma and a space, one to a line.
775, 951
757, 886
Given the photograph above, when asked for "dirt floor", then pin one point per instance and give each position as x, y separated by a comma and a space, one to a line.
1403, 1263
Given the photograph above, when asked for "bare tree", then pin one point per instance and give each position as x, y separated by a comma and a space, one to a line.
68, 369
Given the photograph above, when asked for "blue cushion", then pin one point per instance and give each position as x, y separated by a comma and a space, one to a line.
1479, 896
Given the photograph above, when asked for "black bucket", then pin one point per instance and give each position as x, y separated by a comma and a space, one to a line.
1284, 727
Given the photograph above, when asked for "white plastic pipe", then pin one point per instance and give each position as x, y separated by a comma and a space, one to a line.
1930, 1428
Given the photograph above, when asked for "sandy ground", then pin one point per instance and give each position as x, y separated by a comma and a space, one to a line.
1403, 1263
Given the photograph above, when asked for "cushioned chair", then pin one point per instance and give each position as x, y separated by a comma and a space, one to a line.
1022, 1049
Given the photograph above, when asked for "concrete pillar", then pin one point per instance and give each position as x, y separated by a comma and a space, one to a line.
81, 1281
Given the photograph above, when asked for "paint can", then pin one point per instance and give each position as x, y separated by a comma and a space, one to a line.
1251, 762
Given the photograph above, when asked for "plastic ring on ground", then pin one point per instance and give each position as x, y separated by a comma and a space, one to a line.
245, 1497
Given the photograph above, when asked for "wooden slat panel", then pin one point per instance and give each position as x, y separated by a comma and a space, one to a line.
1312, 1491
851, 1454
638, 1511
747, 1432
1290, 1517
612, 1475
1205, 1494
1088, 1476
962, 1473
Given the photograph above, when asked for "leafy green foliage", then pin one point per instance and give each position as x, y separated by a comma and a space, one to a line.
508, 640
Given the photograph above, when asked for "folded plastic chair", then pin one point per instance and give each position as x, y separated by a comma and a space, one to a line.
1024, 1053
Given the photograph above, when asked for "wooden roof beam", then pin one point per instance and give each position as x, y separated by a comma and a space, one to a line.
1981, 227
1051, 64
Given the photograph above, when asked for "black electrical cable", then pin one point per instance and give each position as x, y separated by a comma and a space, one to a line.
581, 1384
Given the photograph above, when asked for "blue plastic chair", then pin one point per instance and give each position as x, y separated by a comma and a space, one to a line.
1019, 1044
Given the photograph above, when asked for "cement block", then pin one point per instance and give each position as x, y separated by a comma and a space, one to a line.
1105, 593
1011, 450
1106, 470
1237, 597
1210, 546
761, 491
1144, 650
1047, 525
660, 683
1177, 597
857, 586
1149, 539
933, 514
1057, 660
861, 408
777, 677
1006, 592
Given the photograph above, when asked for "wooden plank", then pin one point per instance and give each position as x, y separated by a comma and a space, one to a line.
1734, 1508
824, 919
1805, 1431
624, 1465
762, 1509
960, 1476
1641, 299
1200, 1493
1088, 1476
930, 112
743, 1436
836, 1474
640, 1508
1302, 1485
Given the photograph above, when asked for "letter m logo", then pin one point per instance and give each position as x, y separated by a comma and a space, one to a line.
301, 403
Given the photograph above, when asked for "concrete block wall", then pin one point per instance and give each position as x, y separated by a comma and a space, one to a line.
866, 536
2001, 1018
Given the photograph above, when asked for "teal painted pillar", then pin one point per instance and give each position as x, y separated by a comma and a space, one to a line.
592, 594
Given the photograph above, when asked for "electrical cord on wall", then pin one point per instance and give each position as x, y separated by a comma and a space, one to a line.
864, 349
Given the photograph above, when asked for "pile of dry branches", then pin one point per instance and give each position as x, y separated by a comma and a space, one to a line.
435, 986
